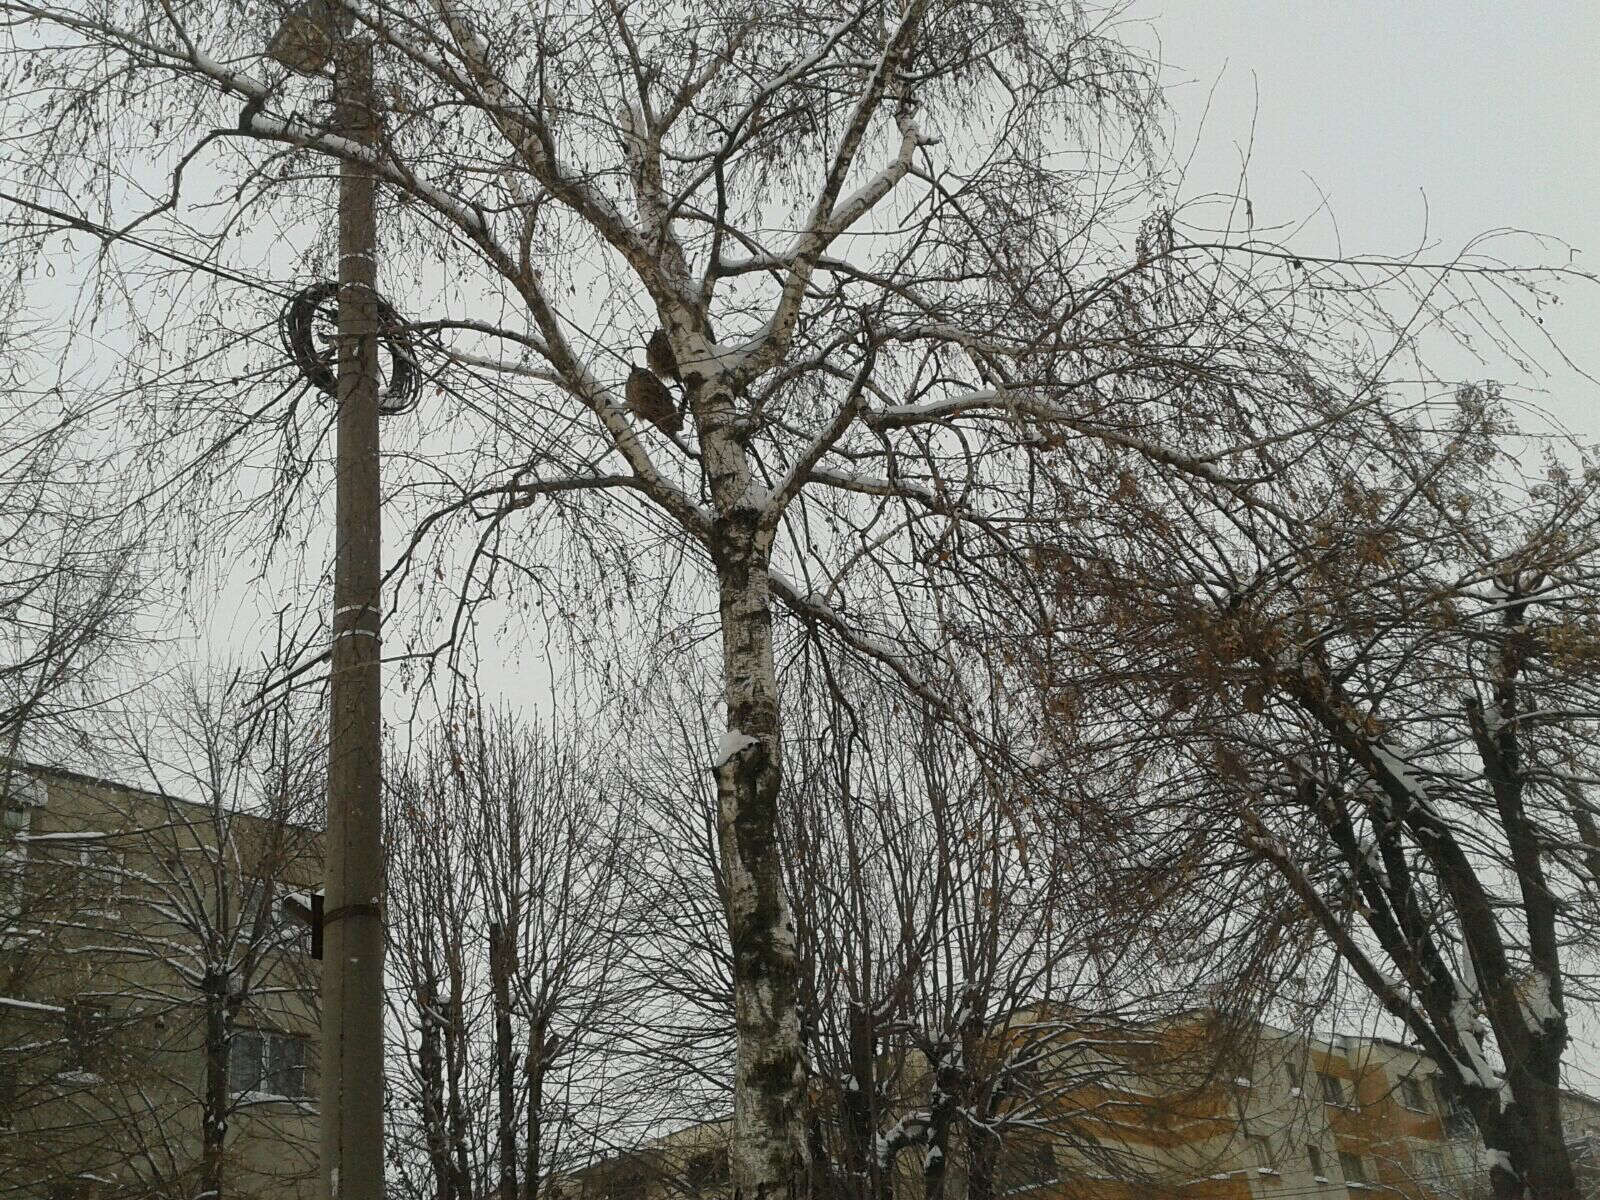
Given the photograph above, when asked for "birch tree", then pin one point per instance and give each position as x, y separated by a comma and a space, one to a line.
976, 995
875, 256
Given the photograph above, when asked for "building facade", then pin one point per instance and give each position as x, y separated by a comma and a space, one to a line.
1324, 1118
1320, 1118
157, 995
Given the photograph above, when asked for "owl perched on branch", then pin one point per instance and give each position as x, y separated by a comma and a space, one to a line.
649, 398
659, 357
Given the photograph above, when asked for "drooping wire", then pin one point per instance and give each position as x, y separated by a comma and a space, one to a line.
297, 327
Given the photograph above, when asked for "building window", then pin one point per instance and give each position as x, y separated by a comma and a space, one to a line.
102, 876
266, 1064
13, 863
19, 796
1411, 1094
1314, 1157
1355, 1172
1292, 1070
1458, 1121
1431, 1163
1332, 1087
90, 878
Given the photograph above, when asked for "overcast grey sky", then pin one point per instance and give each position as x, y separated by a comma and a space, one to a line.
1442, 118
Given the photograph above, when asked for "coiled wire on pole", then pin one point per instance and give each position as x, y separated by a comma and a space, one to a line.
318, 362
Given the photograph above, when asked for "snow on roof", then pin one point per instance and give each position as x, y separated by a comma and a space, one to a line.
26, 769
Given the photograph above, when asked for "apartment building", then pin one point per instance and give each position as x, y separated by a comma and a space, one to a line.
1342, 1116
1323, 1118
157, 994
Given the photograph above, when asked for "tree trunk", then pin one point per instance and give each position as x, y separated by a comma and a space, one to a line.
1532, 1032
769, 1155
1528, 1158
455, 1056
946, 1096
214, 1114
983, 1100
533, 1097
500, 954
860, 1117
1545, 1162
430, 1062
1505, 1144
983, 1155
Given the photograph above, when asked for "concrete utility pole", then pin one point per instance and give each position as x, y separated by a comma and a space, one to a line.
352, 963
311, 35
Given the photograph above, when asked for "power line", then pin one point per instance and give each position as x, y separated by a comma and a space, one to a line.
108, 235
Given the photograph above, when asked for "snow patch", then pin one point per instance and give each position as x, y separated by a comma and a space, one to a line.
732, 743
31, 1006
1537, 1004
1404, 775
1469, 1032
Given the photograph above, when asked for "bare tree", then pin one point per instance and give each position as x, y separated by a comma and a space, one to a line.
876, 248
505, 884
69, 588
1359, 700
978, 988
